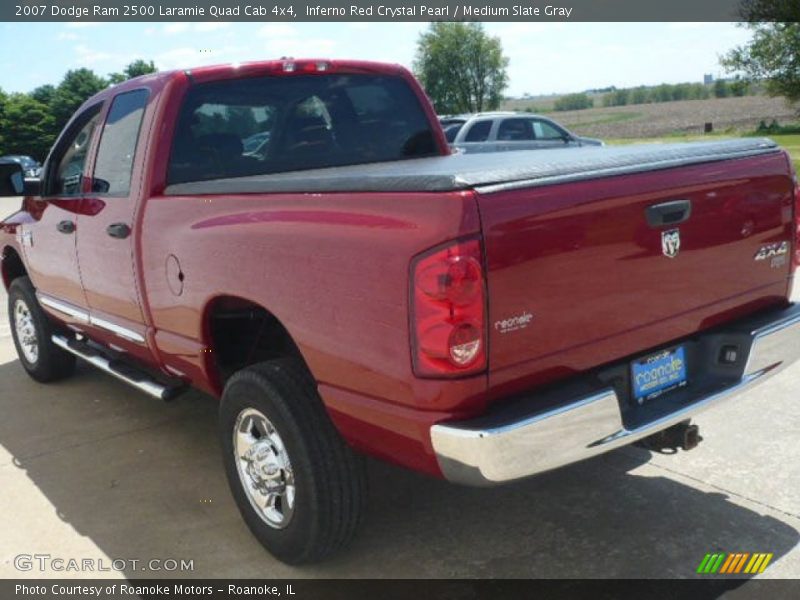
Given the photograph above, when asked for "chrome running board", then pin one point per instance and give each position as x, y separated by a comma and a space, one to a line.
119, 369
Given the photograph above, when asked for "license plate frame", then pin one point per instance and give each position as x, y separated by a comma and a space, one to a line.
658, 373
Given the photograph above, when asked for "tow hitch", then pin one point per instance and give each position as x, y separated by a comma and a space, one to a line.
683, 435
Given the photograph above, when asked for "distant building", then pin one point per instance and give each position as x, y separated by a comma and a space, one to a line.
708, 79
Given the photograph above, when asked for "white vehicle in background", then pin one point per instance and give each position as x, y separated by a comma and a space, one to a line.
30, 166
505, 131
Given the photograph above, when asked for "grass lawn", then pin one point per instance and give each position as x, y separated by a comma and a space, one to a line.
790, 142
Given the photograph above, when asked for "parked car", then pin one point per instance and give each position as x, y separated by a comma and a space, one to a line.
503, 131
358, 288
30, 166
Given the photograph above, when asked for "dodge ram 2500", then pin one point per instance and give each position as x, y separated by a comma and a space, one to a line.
345, 285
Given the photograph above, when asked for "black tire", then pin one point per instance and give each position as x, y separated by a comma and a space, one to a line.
329, 478
51, 363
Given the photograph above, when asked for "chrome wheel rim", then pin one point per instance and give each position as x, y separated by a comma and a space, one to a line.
26, 331
264, 468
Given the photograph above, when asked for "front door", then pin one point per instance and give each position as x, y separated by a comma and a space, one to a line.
49, 243
106, 242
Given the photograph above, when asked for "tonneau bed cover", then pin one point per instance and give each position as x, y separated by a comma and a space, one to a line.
488, 171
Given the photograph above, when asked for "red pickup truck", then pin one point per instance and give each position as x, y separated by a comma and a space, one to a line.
295, 238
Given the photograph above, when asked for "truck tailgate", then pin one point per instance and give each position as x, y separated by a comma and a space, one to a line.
578, 278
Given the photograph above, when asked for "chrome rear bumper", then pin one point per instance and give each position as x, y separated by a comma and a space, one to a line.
495, 448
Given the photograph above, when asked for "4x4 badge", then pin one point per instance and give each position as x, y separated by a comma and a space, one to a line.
671, 242
772, 250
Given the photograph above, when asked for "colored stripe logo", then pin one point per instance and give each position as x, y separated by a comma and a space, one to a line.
731, 563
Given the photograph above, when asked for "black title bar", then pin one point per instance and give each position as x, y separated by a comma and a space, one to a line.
405, 589
369, 10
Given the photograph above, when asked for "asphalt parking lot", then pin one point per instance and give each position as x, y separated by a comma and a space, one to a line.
91, 469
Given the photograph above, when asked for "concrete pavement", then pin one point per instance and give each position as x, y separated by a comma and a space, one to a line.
90, 468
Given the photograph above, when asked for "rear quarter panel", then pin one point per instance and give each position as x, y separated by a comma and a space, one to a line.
333, 268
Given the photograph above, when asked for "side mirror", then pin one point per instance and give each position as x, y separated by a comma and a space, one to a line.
12, 181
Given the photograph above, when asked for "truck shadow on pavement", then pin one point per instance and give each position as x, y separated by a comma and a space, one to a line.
113, 474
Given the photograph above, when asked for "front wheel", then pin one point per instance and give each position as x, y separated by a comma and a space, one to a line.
299, 487
32, 332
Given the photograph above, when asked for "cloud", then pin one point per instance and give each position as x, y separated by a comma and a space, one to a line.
181, 57
89, 57
300, 48
173, 28
210, 26
68, 35
688, 25
271, 30
185, 57
82, 24
204, 27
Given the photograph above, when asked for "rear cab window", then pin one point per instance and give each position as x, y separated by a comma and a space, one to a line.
275, 124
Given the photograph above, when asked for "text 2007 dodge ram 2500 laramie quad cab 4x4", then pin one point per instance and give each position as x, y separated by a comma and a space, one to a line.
295, 238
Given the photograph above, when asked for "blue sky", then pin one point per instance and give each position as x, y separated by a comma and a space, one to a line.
545, 57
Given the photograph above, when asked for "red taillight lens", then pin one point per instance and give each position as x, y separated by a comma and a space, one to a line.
796, 224
448, 295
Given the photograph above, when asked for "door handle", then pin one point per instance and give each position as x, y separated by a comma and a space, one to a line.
118, 230
66, 226
668, 213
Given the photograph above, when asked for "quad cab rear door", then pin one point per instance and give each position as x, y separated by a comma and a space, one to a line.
107, 227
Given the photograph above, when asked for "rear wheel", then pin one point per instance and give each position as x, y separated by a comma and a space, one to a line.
32, 332
299, 487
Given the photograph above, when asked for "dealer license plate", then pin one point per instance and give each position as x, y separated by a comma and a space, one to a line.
659, 373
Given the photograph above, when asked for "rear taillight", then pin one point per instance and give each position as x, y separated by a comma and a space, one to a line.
794, 292
796, 223
796, 208
448, 311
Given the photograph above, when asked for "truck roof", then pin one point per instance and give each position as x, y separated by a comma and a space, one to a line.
252, 68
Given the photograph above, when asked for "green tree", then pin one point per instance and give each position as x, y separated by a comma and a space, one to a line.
44, 94
739, 87
721, 89
773, 53
77, 86
617, 98
639, 95
3, 101
135, 69
461, 67
27, 126
573, 102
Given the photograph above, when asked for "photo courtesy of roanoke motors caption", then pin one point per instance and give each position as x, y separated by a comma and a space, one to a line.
283, 300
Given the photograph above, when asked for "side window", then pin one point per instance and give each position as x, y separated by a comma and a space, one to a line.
70, 156
479, 132
546, 131
451, 131
515, 130
112, 170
